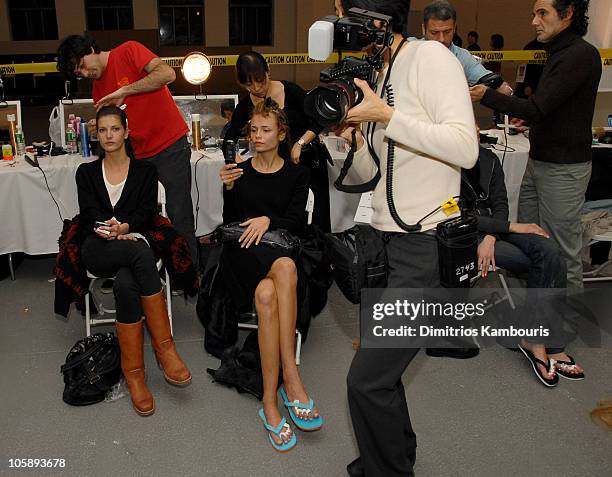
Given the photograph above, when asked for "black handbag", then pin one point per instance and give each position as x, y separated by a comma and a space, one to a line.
279, 239
93, 366
359, 260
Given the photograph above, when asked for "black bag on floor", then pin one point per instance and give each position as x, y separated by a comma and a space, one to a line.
93, 366
359, 260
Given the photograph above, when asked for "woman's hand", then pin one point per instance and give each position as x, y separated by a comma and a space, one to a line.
486, 254
255, 228
534, 229
477, 92
371, 108
229, 174
296, 151
117, 229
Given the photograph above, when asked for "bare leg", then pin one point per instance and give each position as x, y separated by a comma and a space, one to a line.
284, 275
268, 337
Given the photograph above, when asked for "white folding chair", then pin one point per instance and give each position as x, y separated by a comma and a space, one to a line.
102, 310
298, 335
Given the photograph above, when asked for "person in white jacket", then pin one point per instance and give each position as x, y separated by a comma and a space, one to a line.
432, 124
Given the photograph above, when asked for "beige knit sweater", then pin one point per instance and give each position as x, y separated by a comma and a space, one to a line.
434, 130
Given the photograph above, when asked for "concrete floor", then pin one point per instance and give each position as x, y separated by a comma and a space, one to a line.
481, 417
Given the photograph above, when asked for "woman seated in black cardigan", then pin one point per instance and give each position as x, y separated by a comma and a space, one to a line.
117, 202
264, 193
253, 75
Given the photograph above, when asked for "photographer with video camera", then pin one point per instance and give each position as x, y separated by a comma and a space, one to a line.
420, 123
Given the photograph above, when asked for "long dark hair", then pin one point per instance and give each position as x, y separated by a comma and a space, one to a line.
115, 111
580, 20
269, 107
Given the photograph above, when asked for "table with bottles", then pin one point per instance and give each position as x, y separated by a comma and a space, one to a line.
32, 213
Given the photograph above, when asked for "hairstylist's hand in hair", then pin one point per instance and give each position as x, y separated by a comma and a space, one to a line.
372, 107
229, 174
255, 228
92, 128
116, 98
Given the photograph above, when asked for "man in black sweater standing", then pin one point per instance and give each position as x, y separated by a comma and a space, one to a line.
560, 114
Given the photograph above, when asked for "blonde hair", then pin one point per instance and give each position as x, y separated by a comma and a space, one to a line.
269, 107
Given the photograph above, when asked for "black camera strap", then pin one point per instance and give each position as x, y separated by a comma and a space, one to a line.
348, 162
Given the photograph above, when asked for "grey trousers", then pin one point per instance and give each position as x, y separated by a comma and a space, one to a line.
174, 171
552, 195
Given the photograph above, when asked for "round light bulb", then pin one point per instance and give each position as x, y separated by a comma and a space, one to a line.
196, 68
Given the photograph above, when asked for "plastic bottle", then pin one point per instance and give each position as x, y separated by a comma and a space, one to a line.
71, 142
12, 123
20, 142
610, 120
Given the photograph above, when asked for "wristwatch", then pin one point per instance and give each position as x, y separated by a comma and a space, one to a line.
301, 142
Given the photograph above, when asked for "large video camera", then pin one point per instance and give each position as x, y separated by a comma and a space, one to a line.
329, 103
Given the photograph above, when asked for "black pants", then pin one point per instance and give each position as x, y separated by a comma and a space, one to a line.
314, 158
537, 256
174, 170
377, 400
133, 266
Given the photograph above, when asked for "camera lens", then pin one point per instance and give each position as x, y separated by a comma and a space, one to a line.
329, 104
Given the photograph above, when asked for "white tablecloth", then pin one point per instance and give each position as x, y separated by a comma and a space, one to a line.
31, 222
30, 219
515, 162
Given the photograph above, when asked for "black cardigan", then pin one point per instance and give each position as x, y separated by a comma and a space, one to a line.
560, 112
299, 123
484, 184
137, 205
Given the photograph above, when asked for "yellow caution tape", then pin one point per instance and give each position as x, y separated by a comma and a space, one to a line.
519, 56
532, 56
272, 59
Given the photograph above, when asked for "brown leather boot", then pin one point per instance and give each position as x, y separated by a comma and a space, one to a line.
131, 338
156, 314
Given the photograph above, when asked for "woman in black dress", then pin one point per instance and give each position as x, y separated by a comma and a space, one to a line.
253, 74
264, 193
118, 202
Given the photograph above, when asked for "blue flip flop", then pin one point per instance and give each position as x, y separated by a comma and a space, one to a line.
286, 446
307, 425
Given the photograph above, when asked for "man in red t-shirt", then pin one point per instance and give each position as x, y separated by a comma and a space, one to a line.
131, 74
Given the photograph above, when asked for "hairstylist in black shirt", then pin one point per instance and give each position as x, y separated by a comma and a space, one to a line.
560, 114
253, 74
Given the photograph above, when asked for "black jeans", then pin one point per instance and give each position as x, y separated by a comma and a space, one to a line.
377, 400
132, 264
540, 258
174, 170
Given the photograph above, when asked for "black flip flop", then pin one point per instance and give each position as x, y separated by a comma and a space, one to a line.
565, 374
549, 383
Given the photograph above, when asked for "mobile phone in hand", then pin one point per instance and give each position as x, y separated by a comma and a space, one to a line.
99, 224
230, 152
